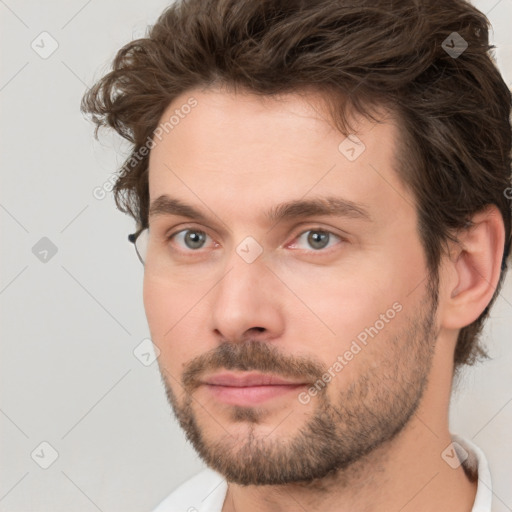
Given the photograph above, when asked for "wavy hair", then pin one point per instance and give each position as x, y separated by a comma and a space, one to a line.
454, 149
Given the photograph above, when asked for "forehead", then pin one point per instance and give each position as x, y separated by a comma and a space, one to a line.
244, 118
249, 149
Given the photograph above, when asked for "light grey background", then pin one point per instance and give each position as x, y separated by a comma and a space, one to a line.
70, 325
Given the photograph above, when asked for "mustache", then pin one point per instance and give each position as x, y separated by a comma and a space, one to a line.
247, 356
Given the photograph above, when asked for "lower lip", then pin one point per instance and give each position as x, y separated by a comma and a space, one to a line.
250, 395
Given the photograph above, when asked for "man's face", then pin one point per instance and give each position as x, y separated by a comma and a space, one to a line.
292, 341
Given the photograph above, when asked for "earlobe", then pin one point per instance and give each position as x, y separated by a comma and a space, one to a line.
476, 267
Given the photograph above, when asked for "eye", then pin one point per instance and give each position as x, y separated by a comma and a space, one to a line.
317, 239
190, 238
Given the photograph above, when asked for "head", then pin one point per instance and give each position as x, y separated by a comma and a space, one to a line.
337, 213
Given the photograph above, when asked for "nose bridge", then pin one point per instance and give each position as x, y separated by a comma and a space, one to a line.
244, 297
244, 283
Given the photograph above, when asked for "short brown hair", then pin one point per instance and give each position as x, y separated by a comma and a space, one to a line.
453, 110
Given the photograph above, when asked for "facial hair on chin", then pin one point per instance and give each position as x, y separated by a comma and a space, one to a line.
371, 411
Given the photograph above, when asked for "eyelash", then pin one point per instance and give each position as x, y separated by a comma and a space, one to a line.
322, 251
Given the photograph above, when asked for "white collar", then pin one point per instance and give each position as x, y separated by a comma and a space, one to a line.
483, 498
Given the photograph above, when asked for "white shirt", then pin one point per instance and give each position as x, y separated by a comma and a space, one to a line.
206, 491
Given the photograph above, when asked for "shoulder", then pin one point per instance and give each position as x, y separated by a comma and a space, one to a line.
204, 492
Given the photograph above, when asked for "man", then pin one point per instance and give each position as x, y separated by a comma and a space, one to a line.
322, 195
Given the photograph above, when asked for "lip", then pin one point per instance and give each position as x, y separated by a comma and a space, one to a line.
249, 388
248, 379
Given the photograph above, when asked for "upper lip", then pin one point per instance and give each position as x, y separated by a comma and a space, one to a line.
248, 379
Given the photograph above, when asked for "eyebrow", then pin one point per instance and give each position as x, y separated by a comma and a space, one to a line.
296, 209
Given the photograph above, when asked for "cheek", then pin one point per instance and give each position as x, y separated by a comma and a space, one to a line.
158, 305
341, 302
164, 308
176, 323
351, 312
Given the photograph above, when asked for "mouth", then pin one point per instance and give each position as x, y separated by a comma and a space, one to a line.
248, 389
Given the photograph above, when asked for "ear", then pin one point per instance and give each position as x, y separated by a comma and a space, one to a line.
473, 269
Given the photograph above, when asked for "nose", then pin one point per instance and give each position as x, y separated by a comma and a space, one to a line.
247, 302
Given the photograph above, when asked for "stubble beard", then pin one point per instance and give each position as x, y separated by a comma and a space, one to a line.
372, 411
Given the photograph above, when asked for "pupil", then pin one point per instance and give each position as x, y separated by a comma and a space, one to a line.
318, 239
194, 239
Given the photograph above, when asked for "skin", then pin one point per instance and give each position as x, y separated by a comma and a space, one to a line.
233, 157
